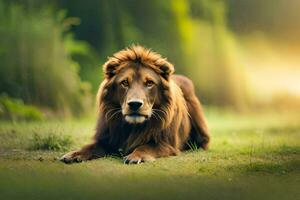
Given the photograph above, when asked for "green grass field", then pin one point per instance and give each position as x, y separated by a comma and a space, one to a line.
251, 157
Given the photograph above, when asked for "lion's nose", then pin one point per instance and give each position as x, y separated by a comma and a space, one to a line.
135, 104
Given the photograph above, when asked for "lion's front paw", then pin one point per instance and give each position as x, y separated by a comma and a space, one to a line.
137, 157
72, 157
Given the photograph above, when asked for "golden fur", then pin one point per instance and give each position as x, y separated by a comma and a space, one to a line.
175, 117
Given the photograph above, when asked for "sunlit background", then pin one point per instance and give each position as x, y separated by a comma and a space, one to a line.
242, 55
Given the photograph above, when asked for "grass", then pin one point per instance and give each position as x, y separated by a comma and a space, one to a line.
251, 157
51, 142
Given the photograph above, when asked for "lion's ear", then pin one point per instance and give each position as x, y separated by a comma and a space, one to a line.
110, 67
166, 69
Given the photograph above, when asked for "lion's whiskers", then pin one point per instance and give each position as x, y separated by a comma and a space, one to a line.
118, 110
156, 115
109, 111
162, 111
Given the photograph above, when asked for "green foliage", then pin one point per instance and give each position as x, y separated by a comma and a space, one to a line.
119, 23
58, 52
85, 56
192, 34
15, 110
51, 142
215, 57
36, 63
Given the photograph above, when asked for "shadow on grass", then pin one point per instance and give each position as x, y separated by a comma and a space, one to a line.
272, 168
67, 182
272, 174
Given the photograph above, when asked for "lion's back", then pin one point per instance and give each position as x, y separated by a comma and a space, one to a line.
185, 84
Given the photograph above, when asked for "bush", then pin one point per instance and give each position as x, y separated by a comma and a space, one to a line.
51, 142
15, 109
36, 65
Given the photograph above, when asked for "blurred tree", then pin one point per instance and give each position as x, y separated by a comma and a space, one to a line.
193, 34
35, 65
215, 67
110, 25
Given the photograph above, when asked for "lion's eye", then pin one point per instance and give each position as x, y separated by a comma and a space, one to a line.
125, 83
149, 83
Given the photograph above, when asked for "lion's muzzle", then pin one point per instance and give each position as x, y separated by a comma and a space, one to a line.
135, 104
135, 114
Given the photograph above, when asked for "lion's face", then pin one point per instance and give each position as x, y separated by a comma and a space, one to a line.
136, 85
137, 90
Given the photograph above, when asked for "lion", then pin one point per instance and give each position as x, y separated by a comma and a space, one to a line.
145, 110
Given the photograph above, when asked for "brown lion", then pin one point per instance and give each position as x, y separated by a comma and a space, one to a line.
144, 110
